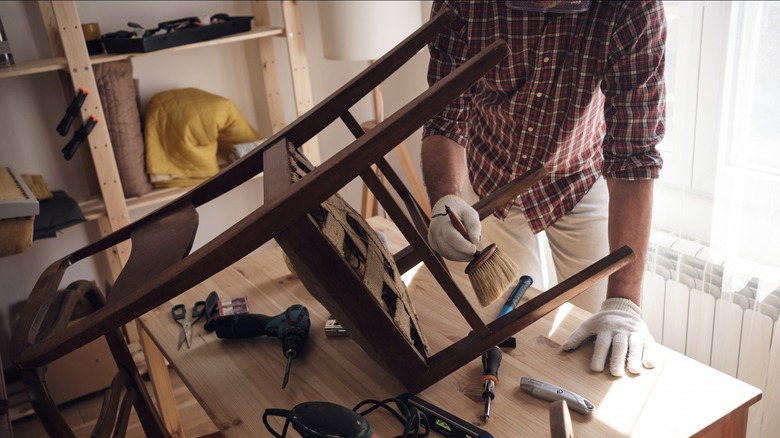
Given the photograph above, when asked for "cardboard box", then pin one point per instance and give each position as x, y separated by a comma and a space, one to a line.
84, 371
18, 208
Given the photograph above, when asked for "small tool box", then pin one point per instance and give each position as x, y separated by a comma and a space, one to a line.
175, 33
18, 208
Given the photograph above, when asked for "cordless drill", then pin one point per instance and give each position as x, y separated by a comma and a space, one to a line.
291, 327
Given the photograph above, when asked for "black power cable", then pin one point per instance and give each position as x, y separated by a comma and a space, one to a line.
410, 417
324, 419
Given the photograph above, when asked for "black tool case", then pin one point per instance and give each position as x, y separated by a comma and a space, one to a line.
187, 33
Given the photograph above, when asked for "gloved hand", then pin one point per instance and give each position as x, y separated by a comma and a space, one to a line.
445, 239
618, 324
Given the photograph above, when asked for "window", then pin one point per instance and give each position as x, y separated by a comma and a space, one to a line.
753, 142
722, 149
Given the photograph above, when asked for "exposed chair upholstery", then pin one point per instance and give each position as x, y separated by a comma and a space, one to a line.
340, 263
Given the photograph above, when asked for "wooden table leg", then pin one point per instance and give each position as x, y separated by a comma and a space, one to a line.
161, 384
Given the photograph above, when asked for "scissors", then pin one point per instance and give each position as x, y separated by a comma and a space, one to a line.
179, 313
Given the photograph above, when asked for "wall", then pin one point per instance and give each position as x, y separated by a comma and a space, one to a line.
33, 105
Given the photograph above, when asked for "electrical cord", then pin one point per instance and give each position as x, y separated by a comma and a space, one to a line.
410, 417
301, 415
276, 413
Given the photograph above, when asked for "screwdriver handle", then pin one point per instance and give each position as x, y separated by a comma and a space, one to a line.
491, 360
459, 227
243, 325
517, 293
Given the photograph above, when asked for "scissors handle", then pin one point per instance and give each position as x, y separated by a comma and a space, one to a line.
198, 309
179, 312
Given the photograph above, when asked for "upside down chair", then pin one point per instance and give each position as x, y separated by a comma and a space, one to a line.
342, 264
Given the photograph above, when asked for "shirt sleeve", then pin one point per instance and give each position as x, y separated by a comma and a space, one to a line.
635, 93
448, 51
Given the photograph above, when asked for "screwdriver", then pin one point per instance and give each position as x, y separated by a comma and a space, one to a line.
291, 326
491, 360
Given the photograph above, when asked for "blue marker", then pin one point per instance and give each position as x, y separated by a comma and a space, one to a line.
514, 298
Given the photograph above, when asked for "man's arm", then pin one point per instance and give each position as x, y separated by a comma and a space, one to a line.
630, 216
443, 167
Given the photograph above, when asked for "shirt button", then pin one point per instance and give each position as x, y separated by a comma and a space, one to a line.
546, 59
524, 156
530, 129
538, 94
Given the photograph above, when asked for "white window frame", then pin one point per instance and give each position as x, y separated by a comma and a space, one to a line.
696, 128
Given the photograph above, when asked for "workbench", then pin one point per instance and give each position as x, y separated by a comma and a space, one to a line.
236, 380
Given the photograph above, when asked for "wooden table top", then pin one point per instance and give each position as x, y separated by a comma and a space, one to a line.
236, 380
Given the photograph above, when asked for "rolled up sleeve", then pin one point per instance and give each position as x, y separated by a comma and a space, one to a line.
448, 51
635, 94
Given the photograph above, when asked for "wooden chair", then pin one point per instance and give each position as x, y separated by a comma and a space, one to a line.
127, 389
344, 266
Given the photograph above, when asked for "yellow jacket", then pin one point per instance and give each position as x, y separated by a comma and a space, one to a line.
184, 131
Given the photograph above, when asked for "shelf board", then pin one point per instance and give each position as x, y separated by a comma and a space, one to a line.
33, 67
60, 63
94, 207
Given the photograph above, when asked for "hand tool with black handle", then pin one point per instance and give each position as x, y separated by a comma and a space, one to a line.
491, 360
291, 327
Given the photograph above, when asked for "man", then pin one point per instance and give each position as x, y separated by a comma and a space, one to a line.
582, 93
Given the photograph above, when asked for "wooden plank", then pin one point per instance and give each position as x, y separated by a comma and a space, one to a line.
754, 358
653, 295
700, 326
270, 73
80, 69
675, 316
726, 337
299, 67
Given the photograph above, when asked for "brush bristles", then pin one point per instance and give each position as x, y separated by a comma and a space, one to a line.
493, 277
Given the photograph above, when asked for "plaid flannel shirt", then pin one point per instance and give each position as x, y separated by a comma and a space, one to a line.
582, 94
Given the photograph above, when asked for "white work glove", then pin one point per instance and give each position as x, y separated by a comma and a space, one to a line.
618, 324
445, 239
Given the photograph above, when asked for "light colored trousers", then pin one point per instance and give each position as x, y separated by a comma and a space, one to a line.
571, 244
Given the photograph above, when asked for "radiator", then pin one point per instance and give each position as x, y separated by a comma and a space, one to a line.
691, 309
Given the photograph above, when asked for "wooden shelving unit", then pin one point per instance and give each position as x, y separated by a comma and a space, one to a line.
61, 63
109, 208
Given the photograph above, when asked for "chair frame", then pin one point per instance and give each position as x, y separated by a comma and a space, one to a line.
161, 266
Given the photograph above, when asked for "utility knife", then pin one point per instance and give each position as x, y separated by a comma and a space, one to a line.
550, 392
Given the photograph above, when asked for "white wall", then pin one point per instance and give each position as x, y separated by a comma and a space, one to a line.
33, 105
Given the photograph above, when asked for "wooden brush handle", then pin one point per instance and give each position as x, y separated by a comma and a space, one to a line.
457, 223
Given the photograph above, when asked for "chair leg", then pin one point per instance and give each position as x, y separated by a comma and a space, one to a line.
43, 404
560, 420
